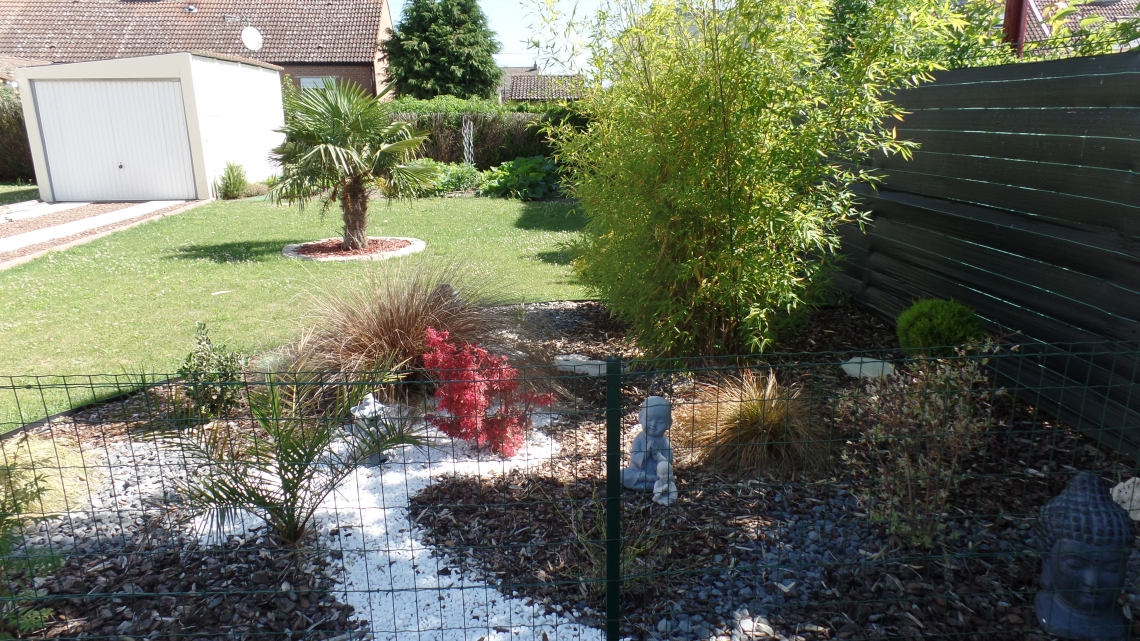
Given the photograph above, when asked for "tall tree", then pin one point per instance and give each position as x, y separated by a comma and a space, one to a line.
442, 47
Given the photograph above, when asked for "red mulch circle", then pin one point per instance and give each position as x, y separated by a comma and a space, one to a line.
334, 247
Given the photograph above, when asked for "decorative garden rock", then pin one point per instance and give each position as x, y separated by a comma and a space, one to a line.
1127, 496
578, 364
861, 366
650, 446
367, 414
1086, 539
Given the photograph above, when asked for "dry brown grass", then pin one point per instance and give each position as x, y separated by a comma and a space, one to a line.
384, 318
750, 424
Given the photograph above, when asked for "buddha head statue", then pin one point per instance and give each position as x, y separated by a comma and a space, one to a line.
1085, 542
655, 415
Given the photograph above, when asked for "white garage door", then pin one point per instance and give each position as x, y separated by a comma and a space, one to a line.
115, 139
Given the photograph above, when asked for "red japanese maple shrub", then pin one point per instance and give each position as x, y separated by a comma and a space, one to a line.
471, 380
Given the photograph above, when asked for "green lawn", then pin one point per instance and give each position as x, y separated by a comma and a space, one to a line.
10, 192
128, 302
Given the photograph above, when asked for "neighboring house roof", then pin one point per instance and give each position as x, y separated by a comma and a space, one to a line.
539, 87
509, 72
1036, 29
302, 31
8, 66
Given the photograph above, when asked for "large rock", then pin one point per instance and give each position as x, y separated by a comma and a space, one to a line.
1127, 496
861, 366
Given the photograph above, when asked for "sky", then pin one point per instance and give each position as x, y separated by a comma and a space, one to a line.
511, 20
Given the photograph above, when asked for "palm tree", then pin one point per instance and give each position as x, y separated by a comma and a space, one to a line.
339, 147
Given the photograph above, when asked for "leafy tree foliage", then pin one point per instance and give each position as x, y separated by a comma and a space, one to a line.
718, 161
442, 47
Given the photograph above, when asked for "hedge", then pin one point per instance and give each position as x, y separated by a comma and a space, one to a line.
15, 152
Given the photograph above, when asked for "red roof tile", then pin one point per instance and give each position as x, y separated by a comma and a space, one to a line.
538, 87
316, 31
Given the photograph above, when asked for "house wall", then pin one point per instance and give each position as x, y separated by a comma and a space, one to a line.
361, 74
239, 111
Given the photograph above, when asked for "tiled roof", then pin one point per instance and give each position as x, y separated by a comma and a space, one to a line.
1035, 30
316, 31
538, 87
8, 66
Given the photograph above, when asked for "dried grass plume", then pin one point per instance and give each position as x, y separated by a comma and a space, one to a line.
750, 424
383, 318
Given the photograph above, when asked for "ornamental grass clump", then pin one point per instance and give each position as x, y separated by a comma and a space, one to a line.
751, 425
385, 316
722, 143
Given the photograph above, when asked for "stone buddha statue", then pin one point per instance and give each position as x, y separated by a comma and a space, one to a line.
1086, 539
650, 446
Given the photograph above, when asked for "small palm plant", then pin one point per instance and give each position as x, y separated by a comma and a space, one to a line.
285, 468
340, 146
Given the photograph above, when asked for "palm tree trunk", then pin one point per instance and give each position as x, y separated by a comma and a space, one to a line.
354, 204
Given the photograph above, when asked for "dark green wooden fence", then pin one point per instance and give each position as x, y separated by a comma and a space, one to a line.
1024, 203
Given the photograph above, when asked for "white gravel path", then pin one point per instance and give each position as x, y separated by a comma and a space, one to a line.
390, 575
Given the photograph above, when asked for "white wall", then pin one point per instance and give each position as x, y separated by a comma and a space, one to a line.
239, 108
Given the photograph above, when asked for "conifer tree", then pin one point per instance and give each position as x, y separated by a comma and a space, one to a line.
442, 47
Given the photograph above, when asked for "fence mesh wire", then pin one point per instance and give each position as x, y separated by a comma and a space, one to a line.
798, 501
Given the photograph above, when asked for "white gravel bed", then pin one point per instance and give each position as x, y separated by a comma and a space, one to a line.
390, 575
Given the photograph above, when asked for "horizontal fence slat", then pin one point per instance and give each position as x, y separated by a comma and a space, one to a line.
1110, 185
1121, 123
1099, 255
1062, 210
1107, 422
1086, 65
907, 283
988, 270
1106, 153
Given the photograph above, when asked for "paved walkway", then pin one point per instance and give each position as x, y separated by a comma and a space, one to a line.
48, 234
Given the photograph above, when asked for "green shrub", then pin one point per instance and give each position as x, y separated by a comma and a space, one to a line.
256, 189
721, 145
531, 178
938, 326
453, 177
232, 183
15, 152
212, 375
498, 137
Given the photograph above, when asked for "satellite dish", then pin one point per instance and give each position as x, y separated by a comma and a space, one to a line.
251, 38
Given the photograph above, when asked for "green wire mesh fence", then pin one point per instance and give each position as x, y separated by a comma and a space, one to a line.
803, 496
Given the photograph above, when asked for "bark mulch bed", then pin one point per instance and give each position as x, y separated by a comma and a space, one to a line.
802, 557
167, 585
334, 247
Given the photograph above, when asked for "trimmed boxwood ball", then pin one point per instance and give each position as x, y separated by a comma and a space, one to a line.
938, 324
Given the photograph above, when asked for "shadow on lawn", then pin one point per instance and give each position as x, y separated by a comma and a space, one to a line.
551, 216
249, 251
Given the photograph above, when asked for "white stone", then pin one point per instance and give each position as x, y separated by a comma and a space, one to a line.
368, 408
578, 364
1127, 496
867, 367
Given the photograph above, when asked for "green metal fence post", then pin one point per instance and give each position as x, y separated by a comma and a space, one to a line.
613, 498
